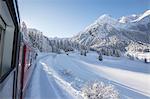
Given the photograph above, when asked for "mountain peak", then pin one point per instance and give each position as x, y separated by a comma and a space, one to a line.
105, 18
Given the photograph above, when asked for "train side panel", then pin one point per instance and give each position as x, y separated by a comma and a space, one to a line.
27, 67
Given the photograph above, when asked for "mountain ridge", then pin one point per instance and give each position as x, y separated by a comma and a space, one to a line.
107, 32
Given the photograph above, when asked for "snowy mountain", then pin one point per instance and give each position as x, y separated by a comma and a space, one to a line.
110, 34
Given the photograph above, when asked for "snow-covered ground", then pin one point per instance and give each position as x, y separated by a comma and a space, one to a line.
61, 76
140, 55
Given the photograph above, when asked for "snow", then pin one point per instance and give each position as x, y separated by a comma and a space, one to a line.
106, 19
61, 76
128, 19
134, 18
43, 85
99, 90
146, 13
140, 55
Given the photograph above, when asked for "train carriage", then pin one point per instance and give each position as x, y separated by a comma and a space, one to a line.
17, 57
27, 65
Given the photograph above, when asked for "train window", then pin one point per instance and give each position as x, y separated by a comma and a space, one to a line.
4, 67
5, 60
8, 41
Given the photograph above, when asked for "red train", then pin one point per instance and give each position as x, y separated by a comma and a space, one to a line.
26, 66
17, 58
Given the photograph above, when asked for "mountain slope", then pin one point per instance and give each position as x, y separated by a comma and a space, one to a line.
110, 33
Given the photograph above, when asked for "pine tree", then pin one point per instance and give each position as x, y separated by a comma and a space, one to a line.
100, 57
145, 60
81, 52
84, 52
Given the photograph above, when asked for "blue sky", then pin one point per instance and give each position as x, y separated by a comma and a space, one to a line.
65, 18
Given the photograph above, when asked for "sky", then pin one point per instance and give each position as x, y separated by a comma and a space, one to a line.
66, 18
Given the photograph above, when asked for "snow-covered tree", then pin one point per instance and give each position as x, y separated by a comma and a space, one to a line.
81, 52
116, 53
100, 57
24, 32
146, 60
130, 56
99, 90
84, 52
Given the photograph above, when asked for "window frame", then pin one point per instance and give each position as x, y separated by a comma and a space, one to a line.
1, 47
3, 28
